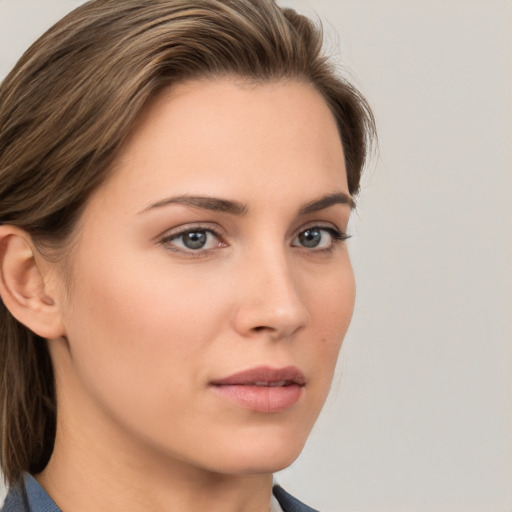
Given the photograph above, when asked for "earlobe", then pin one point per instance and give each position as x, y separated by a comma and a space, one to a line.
22, 285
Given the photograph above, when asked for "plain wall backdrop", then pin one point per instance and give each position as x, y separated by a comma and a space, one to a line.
420, 417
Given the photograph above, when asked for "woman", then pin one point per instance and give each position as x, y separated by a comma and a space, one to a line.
176, 179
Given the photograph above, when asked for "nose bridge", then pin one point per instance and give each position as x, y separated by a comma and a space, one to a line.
271, 299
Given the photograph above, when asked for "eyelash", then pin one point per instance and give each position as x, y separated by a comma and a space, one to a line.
336, 235
192, 229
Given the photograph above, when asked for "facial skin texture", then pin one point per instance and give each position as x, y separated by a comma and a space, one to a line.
149, 325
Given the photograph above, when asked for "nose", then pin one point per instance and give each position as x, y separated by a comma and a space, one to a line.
270, 299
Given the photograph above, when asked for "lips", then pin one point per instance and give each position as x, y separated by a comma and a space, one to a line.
263, 376
263, 389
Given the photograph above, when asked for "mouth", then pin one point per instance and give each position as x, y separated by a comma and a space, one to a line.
276, 384
263, 389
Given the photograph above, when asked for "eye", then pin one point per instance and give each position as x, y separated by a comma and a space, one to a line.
318, 237
194, 240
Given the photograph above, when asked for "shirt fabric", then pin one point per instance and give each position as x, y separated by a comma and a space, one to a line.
33, 498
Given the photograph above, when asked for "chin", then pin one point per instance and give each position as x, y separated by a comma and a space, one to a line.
258, 454
256, 465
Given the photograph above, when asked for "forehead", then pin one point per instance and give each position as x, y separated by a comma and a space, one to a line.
230, 138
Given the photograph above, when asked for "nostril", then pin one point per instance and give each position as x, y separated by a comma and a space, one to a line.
260, 328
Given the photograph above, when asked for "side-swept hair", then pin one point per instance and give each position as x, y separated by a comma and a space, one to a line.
72, 100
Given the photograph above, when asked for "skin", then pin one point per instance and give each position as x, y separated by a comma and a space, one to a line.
147, 323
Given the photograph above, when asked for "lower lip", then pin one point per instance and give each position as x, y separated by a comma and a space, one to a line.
265, 399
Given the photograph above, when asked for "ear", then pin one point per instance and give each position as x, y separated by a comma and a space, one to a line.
24, 284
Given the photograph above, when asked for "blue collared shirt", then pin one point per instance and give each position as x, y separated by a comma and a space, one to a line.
33, 498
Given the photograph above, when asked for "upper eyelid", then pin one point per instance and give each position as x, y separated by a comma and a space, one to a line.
221, 233
186, 228
321, 225
168, 239
332, 230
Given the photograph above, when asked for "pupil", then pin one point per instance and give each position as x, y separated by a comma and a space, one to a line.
194, 239
310, 238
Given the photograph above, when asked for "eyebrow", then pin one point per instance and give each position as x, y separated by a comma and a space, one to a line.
327, 201
203, 202
237, 208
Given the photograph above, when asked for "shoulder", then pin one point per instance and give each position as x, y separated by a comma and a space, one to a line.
288, 502
28, 496
15, 501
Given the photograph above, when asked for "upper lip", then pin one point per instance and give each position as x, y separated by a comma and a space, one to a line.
264, 375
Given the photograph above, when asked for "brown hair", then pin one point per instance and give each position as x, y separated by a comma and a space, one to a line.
70, 103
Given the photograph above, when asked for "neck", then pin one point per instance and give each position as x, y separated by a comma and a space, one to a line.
84, 477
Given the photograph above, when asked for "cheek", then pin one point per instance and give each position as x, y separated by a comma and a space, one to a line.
331, 300
331, 304
137, 334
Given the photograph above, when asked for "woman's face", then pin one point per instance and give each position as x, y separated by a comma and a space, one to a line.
211, 286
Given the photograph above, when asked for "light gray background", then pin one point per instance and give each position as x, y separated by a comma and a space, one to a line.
420, 418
